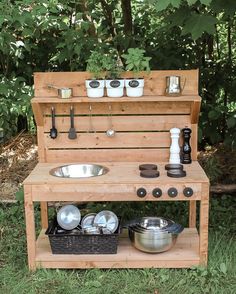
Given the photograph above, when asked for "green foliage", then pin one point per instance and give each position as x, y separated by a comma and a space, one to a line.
96, 64
136, 61
113, 67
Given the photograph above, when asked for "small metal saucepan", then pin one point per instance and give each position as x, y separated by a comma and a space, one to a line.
62, 92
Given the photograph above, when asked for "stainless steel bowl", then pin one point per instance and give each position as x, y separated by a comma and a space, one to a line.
79, 171
154, 234
155, 223
151, 243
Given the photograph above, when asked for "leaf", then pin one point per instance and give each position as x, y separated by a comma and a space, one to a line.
223, 268
175, 3
191, 2
229, 6
162, 4
213, 114
20, 195
231, 122
197, 24
206, 2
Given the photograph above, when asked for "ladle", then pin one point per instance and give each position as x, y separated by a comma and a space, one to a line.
53, 130
110, 132
91, 126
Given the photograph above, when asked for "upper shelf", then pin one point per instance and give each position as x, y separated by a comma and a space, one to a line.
150, 98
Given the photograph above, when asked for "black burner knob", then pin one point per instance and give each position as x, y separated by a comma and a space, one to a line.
156, 192
141, 192
188, 192
172, 192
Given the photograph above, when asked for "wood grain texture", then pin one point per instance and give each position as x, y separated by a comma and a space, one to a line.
120, 123
30, 226
192, 213
155, 82
108, 155
203, 225
44, 214
122, 108
100, 140
119, 173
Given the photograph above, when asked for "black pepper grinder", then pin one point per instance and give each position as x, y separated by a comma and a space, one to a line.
186, 149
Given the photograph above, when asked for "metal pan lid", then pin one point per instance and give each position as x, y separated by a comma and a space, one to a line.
87, 220
68, 217
106, 219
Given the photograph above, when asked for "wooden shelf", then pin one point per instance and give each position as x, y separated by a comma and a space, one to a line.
151, 98
185, 253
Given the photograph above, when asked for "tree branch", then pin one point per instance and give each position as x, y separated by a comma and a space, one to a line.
221, 189
109, 17
127, 17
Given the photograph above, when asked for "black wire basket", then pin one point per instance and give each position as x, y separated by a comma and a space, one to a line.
73, 242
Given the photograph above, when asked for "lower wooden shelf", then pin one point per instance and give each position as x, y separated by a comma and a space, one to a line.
184, 254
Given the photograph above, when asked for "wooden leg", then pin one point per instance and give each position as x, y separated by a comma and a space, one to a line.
203, 227
44, 214
192, 213
30, 227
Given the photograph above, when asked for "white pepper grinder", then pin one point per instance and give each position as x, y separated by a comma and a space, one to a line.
174, 147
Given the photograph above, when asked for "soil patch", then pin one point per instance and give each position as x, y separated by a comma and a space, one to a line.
18, 157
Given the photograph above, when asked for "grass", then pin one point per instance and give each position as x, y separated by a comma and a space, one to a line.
218, 277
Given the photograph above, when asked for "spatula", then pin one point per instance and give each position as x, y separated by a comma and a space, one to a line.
72, 132
53, 130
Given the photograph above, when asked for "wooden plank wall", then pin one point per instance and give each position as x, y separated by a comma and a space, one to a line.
155, 82
142, 127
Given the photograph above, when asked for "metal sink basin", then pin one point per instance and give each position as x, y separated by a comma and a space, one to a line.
79, 171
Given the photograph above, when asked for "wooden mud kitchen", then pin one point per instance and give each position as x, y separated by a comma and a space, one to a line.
75, 130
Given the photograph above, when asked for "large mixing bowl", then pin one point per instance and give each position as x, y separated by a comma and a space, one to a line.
151, 243
154, 234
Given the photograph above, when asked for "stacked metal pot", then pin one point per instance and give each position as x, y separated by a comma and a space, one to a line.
154, 234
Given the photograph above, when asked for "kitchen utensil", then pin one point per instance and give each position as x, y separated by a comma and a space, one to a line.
92, 230
154, 234
106, 219
91, 126
87, 221
173, 86
152, 243
174, 148
79, 171
147, 166
68, 217
62, 92
186, 148
155, 223
53, 130
72, 132
110, 132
